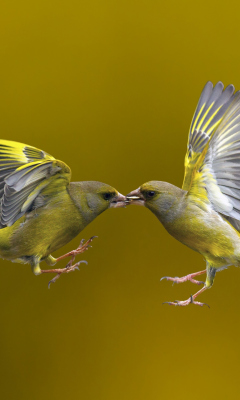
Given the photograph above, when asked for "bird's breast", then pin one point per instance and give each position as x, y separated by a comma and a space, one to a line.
204, 231
46, 229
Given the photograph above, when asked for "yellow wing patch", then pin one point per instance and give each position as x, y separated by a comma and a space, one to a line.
209, 113
217, 169
24, 172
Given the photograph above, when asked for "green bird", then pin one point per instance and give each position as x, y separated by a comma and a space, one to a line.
41, 210
205, 213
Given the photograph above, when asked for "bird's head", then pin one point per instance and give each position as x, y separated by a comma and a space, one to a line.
96, 197
147, 193
155, 195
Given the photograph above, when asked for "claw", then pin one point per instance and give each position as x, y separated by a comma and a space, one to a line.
192, 298
185, 278
169, 278
201, 304
53, 280
81, 248
171, 303
76, 266
84, 262
164, 277
69, 267
185, 303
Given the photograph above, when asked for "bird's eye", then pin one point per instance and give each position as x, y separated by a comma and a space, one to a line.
150, 193
107, 196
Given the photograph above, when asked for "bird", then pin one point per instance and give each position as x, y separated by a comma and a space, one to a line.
205, 213
41, 210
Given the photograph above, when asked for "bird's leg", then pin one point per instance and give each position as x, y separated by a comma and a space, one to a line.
186, 278
211, 272
50, 260
191, 300
59, 271
81, 248
35, 266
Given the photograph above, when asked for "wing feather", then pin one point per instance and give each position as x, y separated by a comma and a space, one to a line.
211, 108
24, 172
219, 170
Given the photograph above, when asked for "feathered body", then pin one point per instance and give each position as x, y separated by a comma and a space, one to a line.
200, 228
54, 224
41, 210
205, 213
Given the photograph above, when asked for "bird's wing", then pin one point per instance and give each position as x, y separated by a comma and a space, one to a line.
24, 172
217, 178
212, 105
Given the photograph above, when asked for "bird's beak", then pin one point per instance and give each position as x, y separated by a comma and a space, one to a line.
135, 197
118, 201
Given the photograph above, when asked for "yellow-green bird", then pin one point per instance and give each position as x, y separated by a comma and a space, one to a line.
205, 213
41, 210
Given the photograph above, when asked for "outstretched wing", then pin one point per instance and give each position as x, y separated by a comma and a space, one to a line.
24, 172
218, 176
209, 113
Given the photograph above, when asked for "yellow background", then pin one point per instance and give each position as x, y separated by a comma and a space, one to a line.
110, 88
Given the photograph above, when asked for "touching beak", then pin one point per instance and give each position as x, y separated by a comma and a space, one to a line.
118, 201
135, 197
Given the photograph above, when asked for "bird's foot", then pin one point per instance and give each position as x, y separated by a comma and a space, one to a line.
185, 302
186, 278
81, 248
60, 271
191, 300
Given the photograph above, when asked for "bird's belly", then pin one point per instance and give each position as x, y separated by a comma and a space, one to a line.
208, 234
41, 234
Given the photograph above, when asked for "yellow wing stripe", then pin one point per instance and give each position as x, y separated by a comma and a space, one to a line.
204, 116
196, 120
210, 119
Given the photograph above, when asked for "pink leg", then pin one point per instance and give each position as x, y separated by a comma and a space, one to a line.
191, 300
69, 267
186, 278
81, 248
59, 271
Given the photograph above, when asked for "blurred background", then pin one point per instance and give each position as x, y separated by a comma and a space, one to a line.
110, 88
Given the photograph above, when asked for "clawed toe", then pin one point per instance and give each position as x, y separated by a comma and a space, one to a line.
69, 268
191, 299
174, 280
198, 303
185, 278
53, 280
185, 303
171, 303
83, 246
